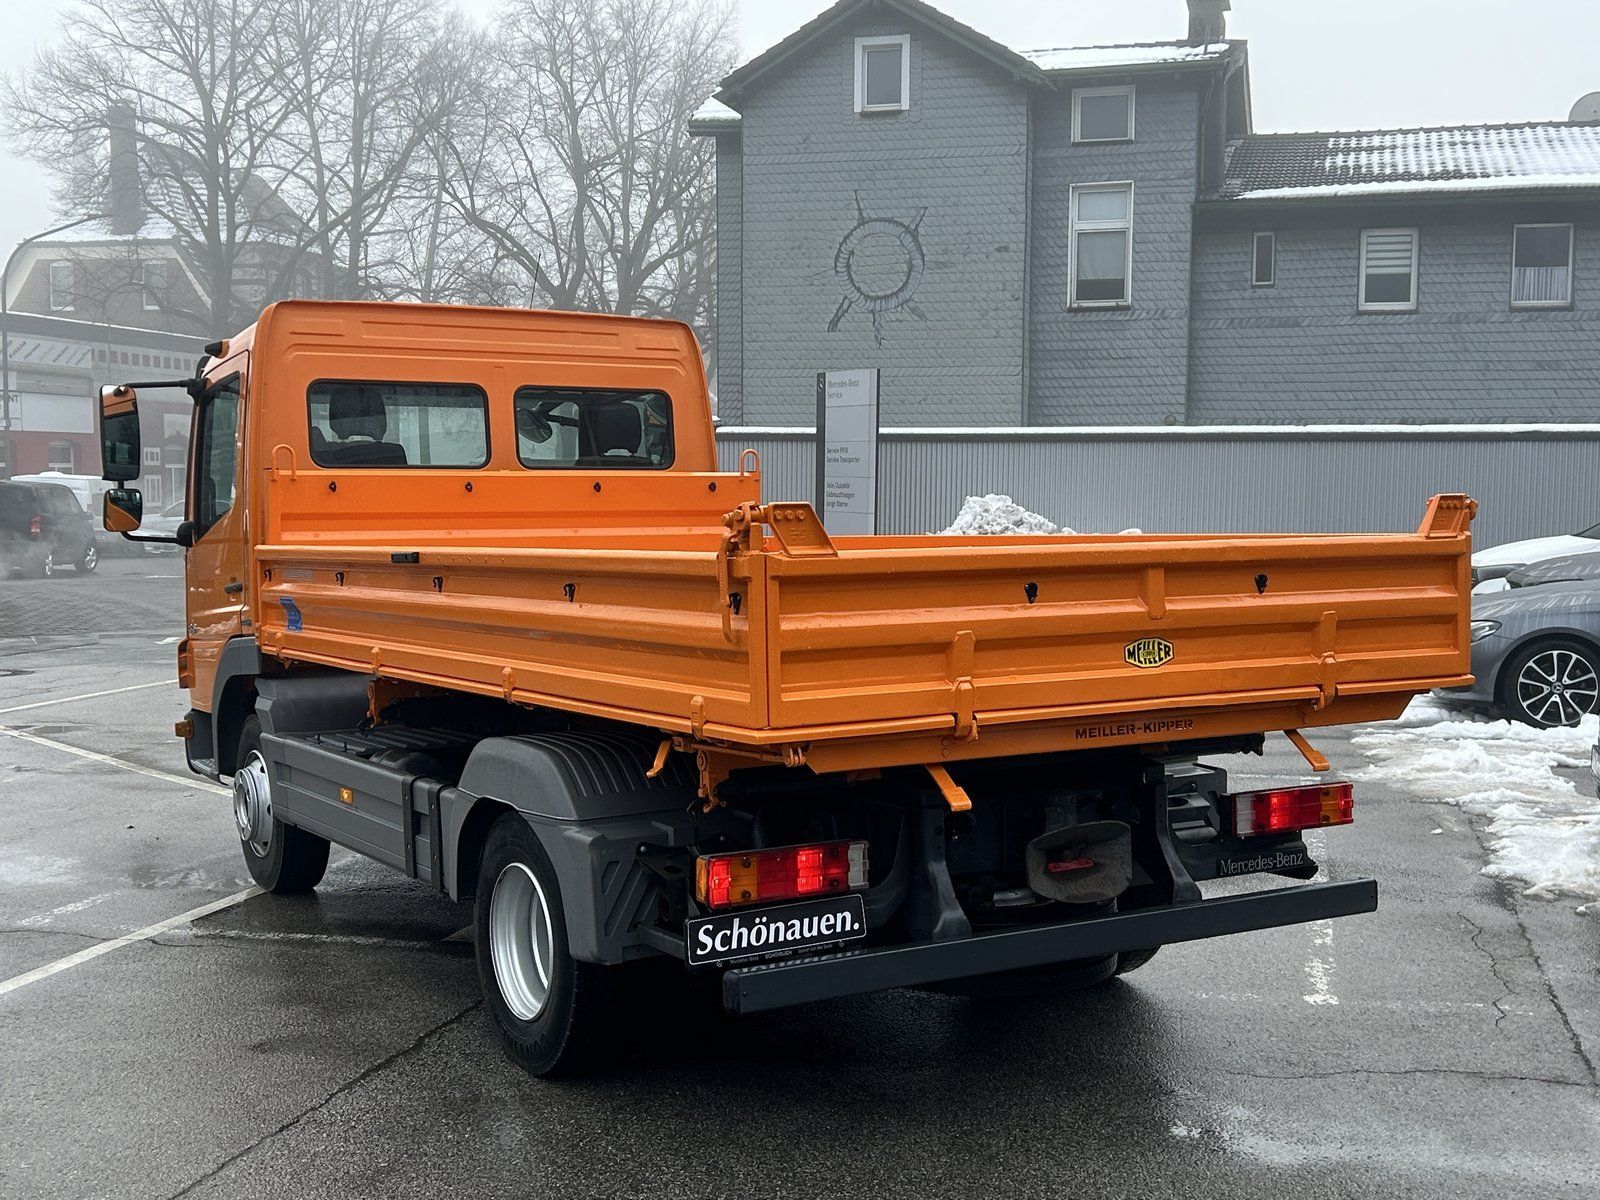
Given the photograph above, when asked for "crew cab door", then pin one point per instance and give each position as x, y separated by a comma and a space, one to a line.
214, 576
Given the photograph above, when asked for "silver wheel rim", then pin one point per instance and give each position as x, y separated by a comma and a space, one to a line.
49, 563
91, 558
1558, 687
252, 804
521, 941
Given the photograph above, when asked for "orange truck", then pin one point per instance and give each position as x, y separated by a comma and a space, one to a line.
468, 593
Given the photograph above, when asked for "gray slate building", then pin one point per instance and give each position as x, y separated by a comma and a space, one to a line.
1097, 236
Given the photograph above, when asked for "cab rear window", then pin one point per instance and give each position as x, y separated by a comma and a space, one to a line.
373, 424
597, 428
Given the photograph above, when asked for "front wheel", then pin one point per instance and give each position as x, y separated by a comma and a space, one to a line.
47, 567
550, 1011
89, 561
281, 858
1550, 683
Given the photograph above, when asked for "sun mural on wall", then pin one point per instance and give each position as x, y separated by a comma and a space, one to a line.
880, 264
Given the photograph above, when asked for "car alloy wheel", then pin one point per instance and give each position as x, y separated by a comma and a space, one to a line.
90, 559
1557, 686
48, 567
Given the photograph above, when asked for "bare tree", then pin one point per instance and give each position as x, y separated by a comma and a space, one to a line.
582, 173
208, 114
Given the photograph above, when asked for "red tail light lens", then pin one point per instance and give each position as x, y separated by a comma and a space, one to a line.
34, 528
787, 873
1284, 810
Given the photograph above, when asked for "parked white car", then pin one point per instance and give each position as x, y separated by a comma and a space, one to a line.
1490, 566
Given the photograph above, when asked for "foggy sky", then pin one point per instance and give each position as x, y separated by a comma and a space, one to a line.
1314, 64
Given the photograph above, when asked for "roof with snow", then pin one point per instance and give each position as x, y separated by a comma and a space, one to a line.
1130, 55
1399, 162
155, 229
1027, 66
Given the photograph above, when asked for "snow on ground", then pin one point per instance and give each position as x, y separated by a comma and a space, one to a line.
1543, 831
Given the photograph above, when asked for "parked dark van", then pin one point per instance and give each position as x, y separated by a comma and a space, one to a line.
42, 529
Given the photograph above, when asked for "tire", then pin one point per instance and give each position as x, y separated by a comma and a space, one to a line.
47, 565
89, 560
288, 861
1551, 683
552, 1013
1132, 960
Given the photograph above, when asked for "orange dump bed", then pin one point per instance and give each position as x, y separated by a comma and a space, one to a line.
880, 651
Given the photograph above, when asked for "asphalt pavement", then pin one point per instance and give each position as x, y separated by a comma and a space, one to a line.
165, 1031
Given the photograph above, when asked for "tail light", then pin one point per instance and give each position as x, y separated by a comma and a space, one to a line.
34, 528
1284, 810
787, 873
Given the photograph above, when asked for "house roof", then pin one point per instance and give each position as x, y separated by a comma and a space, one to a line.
1002, 56
1029, 66
1414, 162
1130, 55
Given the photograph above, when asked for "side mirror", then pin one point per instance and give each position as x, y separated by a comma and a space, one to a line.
184, 535
124, 510
121, 458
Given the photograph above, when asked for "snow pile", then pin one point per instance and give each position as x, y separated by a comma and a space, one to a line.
1543, 832
1000, 515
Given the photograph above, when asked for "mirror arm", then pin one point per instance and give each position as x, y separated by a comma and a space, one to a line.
159, 539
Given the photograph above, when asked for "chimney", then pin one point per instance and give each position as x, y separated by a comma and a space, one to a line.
1208, 21
127, 196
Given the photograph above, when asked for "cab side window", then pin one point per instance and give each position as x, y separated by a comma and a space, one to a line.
218, 441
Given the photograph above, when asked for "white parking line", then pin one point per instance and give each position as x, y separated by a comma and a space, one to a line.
87, 696
189, 781
17, 982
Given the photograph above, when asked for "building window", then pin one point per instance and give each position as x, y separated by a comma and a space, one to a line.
1388, 270
1102, 114
883, 74
63, 457
1264, 260
153, 284
1541, 266
1101, 245
61, 281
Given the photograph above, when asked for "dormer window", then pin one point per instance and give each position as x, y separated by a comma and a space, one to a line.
883, 74
1102, 114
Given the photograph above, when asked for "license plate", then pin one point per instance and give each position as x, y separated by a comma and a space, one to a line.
758, 932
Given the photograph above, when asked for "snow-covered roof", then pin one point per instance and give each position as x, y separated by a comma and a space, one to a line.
1136, 54
714, 113
1465, 158
154, 230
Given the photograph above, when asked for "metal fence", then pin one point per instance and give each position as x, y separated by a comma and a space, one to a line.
1529, 480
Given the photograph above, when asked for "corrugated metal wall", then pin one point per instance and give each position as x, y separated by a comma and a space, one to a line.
1529, 481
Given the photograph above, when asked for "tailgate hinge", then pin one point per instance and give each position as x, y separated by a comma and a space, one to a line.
963, 694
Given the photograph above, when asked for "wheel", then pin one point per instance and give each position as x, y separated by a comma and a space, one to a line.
89, 561
281, 858
550, 1011
1555, 682
1132, 960
47, 567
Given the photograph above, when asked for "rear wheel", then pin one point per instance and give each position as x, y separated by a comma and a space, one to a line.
281, 858
1555, 682
1132, 960
550, 1011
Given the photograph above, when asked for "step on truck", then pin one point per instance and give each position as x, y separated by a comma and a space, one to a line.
467, 593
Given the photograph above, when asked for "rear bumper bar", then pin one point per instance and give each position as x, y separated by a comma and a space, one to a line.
825, 976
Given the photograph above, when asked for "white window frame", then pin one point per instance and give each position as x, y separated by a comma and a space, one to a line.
152, 301
1388, 306
58, 302
1255, 249
66, 463
1075, 227
1078, 94
1521, 305
863, 44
